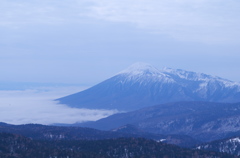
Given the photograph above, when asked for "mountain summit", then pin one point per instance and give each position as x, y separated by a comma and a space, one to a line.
142, 85
140, 69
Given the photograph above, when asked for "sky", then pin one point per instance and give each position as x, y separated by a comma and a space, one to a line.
47, 43
87, 41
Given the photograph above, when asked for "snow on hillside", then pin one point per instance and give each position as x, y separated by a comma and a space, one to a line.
140, 72
142, 85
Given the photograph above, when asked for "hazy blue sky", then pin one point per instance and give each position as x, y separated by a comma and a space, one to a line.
87, 41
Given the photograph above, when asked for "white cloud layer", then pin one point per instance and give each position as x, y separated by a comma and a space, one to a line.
34, 106
199, 20
215, 20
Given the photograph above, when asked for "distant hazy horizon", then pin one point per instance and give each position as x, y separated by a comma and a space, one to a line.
23, 85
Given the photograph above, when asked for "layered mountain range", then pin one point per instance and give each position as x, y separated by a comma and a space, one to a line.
203, 121
142, 85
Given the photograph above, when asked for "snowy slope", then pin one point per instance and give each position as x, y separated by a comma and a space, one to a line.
229, 145
143, 85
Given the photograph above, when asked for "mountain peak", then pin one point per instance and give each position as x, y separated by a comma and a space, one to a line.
141, 85
140, 68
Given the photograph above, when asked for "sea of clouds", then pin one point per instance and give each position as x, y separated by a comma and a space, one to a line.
38, 106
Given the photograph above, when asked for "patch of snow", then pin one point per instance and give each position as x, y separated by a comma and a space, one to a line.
234, 140
228, 83
119, 128
161, 140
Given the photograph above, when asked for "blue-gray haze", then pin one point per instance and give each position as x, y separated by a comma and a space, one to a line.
87, 41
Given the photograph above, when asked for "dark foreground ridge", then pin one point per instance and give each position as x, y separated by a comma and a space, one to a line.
16, 146
43, 132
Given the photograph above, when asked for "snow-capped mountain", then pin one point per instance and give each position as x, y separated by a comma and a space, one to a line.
143, 85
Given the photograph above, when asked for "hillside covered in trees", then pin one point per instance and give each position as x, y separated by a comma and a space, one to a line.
16, 146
